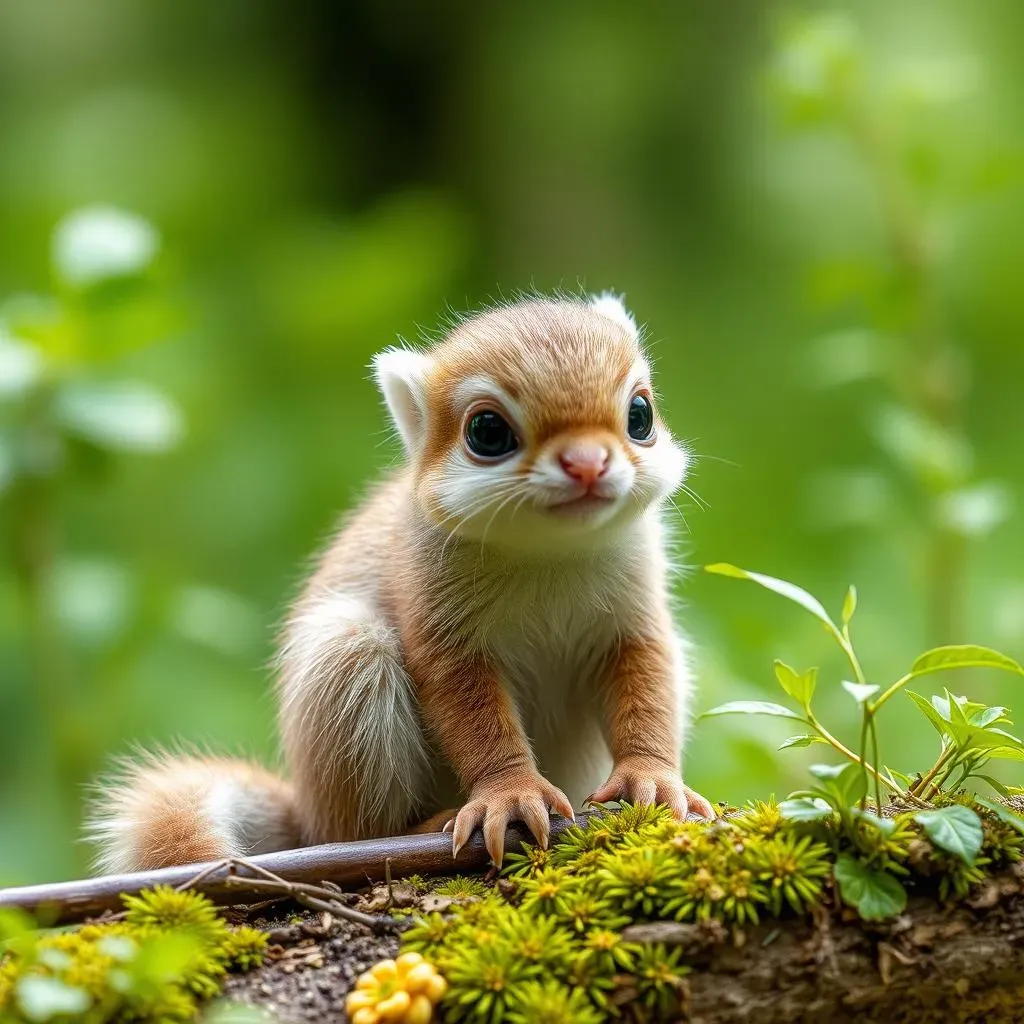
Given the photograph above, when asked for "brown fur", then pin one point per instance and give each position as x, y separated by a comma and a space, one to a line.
421, 666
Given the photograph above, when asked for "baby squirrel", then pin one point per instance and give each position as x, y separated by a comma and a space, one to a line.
491, 625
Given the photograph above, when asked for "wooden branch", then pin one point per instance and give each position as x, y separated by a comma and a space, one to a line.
232, 882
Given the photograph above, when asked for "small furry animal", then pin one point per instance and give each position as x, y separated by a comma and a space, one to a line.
491, 627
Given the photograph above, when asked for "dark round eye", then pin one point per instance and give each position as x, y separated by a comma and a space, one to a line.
489, 435
640, 424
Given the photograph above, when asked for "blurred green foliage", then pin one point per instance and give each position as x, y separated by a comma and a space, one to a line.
169, 952
212, 215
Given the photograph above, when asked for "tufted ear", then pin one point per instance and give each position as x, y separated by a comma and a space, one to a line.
401, 375
610, 305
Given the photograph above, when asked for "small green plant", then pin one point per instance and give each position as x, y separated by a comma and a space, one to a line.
971, 734
870, 849
171, 950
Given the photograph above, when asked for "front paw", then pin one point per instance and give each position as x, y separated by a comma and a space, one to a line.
643, 780
520, 796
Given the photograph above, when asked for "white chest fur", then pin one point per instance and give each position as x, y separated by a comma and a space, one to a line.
551, 629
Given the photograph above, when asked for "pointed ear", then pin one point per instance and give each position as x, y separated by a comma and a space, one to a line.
401, 375
610, 305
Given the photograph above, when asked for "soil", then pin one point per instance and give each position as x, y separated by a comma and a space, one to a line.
312, 963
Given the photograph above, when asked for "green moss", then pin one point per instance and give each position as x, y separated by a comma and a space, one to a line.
559, 933
551, 1002
169, 952
531, 860
463, 887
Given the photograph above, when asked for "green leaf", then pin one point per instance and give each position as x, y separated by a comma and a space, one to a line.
21, 366
100, 243
977, 510
849, 605
1003, 813
897, 776
1006, 754
805, 809
816, 67
943, 659
991, 738
782, 587
803, 740
860, 692
121, 415
946, 706
948, 716
799, 686
875, 895
990, 716
995, 784
955, 829
954, 706
752, 707
884, 825
42, 998
941, 723
845, 783
928, 450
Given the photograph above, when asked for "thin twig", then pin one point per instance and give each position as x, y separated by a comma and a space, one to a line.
316, 897
301, 894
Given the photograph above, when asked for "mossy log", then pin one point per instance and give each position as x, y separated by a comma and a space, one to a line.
963, 963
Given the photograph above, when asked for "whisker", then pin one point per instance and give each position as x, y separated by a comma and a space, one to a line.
679, 512
696, 456
527, 493
698, 500
503, 489
504, 502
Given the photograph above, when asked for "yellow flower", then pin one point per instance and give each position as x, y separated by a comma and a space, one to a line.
402, 991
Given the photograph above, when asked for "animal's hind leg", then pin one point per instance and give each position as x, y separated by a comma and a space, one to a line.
350, 722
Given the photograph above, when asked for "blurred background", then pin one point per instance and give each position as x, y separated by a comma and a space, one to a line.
212, 214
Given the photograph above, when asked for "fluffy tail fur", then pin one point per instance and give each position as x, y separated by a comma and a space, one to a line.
181, 809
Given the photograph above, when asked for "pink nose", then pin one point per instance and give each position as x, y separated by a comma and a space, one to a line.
585, 463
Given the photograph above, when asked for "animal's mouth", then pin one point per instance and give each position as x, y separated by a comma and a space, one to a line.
583, 504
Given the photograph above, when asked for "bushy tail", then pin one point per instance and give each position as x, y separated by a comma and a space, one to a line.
166, 809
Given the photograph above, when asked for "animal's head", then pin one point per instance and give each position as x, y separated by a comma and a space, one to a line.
534, 425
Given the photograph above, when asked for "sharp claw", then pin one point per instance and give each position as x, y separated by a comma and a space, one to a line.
611, 790
448, 826
496, 848
462, 829
705, 809
565, 809
699, 804
494, 825
541, 835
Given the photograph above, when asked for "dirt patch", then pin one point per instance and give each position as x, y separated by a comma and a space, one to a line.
311, 965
